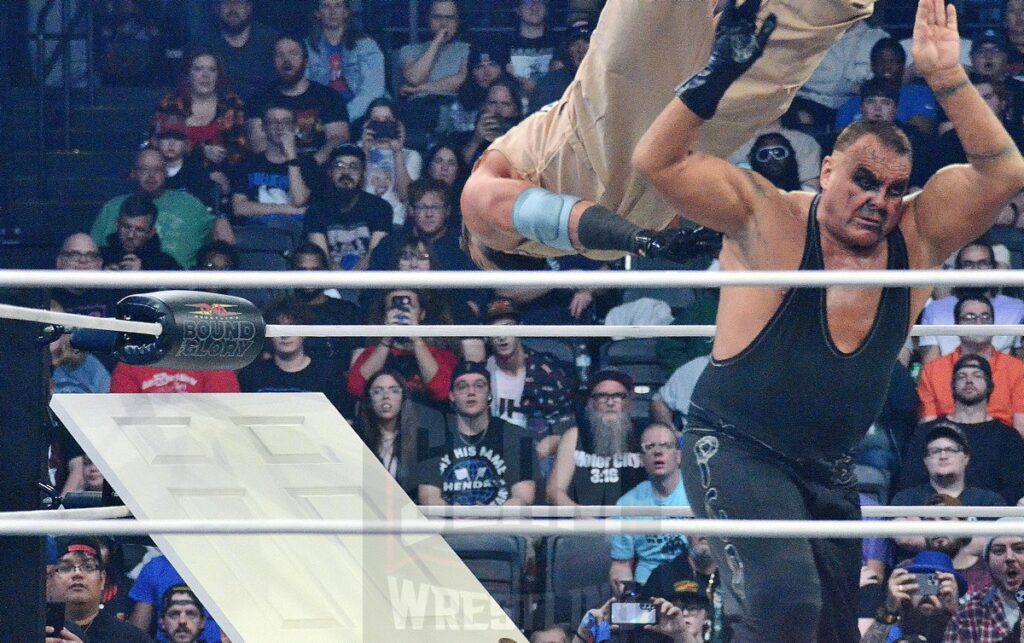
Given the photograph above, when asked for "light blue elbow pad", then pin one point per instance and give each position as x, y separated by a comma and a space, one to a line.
543, 216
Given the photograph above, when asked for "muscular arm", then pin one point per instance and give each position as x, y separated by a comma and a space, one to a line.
707, 190
961, 201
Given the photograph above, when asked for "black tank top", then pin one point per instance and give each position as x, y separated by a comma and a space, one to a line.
601, 480
792, 389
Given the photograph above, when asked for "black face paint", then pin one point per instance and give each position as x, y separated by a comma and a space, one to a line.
866, 180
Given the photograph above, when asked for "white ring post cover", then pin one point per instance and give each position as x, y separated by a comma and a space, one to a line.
287, 456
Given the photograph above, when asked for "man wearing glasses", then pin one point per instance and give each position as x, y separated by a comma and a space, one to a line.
635, 557
599, 459
78, 581
345, 221
183, 222
435, 69
80, 252
273, 188
946, 456
976, 255
1006, 403
996, 449
430, 209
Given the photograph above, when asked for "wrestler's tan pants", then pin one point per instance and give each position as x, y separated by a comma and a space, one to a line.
640, 51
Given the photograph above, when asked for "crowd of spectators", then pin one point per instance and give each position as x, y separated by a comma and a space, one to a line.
356, 156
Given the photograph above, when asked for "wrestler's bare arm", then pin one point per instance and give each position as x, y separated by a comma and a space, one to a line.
707, 190
962, 201
488, 197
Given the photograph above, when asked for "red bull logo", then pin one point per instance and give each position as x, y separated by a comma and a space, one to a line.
214, 310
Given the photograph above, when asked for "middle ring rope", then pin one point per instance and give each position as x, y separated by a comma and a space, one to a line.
363, 330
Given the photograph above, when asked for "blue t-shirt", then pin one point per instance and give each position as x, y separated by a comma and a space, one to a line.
915, 100
155, 578
653, 549
89, 377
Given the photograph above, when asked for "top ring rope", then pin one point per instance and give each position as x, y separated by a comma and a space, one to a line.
515, 279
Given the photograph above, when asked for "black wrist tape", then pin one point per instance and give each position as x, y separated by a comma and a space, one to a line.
702, 92
602, 229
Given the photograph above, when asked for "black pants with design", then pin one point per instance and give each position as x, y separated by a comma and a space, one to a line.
777, 589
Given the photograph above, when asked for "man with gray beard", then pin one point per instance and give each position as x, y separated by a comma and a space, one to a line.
599, 461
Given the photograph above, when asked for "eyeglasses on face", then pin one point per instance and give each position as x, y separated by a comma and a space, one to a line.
348, 165
655, 447
776, 152
976, 317
67, 568
935, 452
80, 256
409, 255
608, 397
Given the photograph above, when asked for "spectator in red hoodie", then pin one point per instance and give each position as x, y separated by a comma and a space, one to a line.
426, 367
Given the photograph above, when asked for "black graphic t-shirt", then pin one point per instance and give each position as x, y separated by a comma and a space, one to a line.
313, 109
348, 218
480, 470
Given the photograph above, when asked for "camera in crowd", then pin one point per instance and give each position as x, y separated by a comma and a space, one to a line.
632, 611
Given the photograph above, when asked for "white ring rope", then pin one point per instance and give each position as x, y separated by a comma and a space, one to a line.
587, 526
280, 330
447, 280
549, 512
77, 321
506, 330
594, 511
92, 513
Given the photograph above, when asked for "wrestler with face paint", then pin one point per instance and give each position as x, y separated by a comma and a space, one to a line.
799, 374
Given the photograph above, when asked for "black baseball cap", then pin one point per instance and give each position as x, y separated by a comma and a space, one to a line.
469, 368
945, 430
610, 374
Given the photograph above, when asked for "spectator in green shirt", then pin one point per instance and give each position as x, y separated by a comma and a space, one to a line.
183, 223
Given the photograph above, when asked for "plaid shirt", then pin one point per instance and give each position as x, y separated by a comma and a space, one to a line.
980, 620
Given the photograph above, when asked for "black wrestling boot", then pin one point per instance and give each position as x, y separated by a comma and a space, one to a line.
678, 245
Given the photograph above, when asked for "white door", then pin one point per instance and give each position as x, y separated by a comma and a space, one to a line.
281, 455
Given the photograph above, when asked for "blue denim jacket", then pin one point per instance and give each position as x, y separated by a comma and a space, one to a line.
363, 67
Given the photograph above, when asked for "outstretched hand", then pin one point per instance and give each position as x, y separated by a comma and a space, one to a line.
738, 44
737, 38
936, 37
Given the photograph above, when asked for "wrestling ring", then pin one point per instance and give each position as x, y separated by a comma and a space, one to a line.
520, 521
